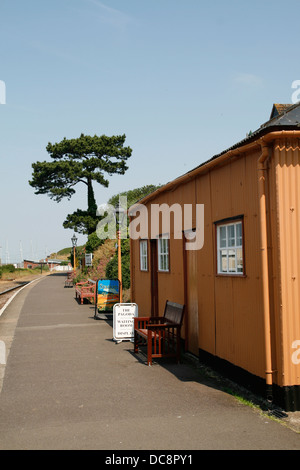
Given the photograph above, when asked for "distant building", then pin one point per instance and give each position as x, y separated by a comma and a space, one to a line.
51, 263
31, 264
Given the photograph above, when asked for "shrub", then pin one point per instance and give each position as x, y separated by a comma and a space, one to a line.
8, 268
93, 243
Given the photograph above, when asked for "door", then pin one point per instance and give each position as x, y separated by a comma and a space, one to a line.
191, 300
154, 278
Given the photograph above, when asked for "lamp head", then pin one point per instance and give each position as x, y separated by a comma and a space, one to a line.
119, 214
74, 240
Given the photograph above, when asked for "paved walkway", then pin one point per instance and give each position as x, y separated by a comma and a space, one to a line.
68, 385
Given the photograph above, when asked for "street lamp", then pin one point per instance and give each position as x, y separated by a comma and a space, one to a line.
74, 243
119, 214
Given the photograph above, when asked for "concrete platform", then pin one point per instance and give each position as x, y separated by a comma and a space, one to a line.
67, 385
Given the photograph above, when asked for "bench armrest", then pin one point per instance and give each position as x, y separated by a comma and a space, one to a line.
87, 288
140, 322
136, 319
162, 325
145, 321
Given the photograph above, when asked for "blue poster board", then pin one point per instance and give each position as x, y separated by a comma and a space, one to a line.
107, 295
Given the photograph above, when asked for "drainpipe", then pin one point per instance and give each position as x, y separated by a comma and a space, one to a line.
261, 167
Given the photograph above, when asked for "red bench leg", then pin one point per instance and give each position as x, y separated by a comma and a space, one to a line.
178, 346
149, 348
136, 346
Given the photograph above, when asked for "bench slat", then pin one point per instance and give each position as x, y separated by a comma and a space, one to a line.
161, 334
85, 290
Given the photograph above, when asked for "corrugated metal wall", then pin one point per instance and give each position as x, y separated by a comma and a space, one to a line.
238, 301
230, 309
287, 174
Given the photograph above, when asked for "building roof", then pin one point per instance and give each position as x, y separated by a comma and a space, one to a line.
288, 115
44, 261
279, 109
288, 119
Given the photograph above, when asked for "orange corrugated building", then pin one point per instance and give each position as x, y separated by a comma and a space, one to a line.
241, 287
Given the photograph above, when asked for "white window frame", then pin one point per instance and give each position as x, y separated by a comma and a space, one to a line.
144, 255
230, 248
163, 255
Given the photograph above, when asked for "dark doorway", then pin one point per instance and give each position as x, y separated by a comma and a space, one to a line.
154, 278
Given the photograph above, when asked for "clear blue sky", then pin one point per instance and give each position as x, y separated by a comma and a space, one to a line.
183, 79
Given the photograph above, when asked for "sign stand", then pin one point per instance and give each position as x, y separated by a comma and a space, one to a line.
123, 322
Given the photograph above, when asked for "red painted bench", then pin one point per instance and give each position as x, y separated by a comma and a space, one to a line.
160, 334
69, 280
86, 290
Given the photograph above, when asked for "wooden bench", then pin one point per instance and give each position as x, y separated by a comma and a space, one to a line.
69, 280
86, 290
160, 334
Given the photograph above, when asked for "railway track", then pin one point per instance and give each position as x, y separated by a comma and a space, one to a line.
9, 289
21, 284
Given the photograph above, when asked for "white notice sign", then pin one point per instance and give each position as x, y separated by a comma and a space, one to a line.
123, 323
89, 259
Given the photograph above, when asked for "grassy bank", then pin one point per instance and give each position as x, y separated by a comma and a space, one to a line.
20, 273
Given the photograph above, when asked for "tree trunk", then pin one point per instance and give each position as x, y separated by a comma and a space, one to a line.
92, 206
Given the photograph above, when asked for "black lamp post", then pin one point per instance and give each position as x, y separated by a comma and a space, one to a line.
74, 243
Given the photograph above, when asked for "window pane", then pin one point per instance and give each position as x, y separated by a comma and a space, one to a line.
239, 260
239, 234
222, 237
231, 261
231, 235
230, 248
223, 266
163, 255
143, 256
162, 262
